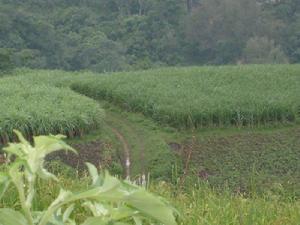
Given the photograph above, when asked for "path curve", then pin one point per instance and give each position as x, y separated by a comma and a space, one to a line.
126, 150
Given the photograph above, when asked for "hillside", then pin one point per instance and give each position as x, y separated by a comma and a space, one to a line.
117, 35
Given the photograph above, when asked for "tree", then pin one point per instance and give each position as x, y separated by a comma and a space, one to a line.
139, 34
6, 64
217, 31
98, 53
261, 50
291, 40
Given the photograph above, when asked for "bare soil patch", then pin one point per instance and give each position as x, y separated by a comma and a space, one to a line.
87, 152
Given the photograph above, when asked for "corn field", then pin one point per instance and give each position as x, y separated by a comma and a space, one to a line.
204, 96
42, 102
42, 109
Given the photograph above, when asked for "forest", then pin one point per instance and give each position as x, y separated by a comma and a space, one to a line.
114, 35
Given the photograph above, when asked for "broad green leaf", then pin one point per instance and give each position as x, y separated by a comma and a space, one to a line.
150, 205
137, 220
48, 144
15, 175
109, 191
12, 217
44, 174
63, 196
4, 183
37, 216
21, 138
121, 223
116, 214
122, 213
93, 172
15, 149
68, 212
97, 221
97, 209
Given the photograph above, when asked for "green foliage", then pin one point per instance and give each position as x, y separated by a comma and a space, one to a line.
109, 200
138, 34
36, 108
201, 205
203, 96
217, 31
181, 97
6, 64
245, 160
261, 50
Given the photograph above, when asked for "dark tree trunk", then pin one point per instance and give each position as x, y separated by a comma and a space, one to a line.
189, 5
140, 7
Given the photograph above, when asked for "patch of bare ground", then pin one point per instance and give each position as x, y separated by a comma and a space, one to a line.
87, 152
126, 151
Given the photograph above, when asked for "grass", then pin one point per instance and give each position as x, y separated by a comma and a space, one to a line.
197, 204
204, 96
201, 205
43, 109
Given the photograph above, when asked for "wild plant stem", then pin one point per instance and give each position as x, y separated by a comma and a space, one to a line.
24, 206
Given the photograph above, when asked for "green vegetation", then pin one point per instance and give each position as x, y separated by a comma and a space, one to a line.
249, 161
252, 161
197, 202
181, 97
204, 96
111, 35
110, 201
6, 64
244, 162
221, 143
201, 205
43, 109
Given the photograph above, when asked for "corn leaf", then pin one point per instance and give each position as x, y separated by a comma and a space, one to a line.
149, 205
11, 217
4, 183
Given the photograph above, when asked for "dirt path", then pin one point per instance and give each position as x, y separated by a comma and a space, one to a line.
132, 141
126, 150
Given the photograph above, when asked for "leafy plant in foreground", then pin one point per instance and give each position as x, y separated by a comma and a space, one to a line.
110, 201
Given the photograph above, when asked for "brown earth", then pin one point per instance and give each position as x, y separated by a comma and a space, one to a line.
87, 152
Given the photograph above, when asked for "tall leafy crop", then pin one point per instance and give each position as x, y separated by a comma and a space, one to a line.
204, 96
110, 201
40, 108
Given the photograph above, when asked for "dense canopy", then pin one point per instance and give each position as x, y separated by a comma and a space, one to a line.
111, 35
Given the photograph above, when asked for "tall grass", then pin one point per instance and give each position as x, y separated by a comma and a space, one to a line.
197, 205
201, 205
204, 96
38, 102
43, 109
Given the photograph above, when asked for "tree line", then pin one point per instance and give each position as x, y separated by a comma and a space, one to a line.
112, 35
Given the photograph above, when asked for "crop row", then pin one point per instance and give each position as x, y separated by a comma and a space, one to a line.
37, 108
39, 102
204, 96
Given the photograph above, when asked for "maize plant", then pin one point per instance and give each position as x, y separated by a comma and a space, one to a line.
109, 200
204, 96
37, 109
